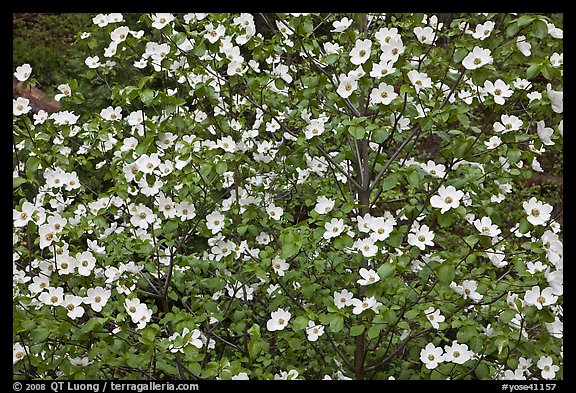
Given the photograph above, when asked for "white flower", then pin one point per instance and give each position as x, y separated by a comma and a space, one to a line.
507, 124
556, 60
493, 142
348, 84
523, 46
433, 169
447, 198
111, 113
431, 356
97, 298
85, 263
343, 299
20, 106
161, 19
369, 276
539, 299
549, 369
556, 328
364, 304
341, 25
538, 212
361, 51
381, 69
434, 316
469, 290
419, 80
366, 247
72, 304
274, 212
483, 31
457, 353
324, 205
477, 58
142, 216
421, 237
18, 352
23, 72
314, 331
497, 258
314, 128
240, 377
499, 90
280, 266
544, 133
92, 62
556, 99
424, 34
52, 297
333, 228
215, 222
381, 227
486, 227
383, 94
278, 320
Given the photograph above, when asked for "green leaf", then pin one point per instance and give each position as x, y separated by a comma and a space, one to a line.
389, 316
514, 155
92, 324
480, 75
39, 335
512, 29
386, 270
17, 182
472, 240
289, 249
254, 348
445, 220
524, 226
525, 20
506, 316
374, 331
300, 323
32, 164
460, 54
356, 330
464, 120
147, 95
539, 29
337, 323
390, 181
221, 167
357, 132
533, 71
446, 274
482, 371
466, 333
169, 228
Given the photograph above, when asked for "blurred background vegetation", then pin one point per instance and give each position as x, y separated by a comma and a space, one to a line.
44, 40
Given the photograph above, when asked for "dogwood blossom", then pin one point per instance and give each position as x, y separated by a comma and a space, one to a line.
477, 58
434, 316
447, 198
538, 212
547, 367
278, 320
361, 51
23, 72
538, 298
369, 276
431, 356
421, 236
